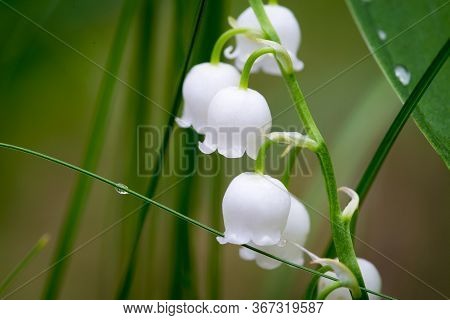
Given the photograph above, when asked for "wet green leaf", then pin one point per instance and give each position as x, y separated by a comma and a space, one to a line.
405, 36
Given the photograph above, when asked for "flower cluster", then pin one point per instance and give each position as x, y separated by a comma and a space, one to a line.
258, 210
233, 118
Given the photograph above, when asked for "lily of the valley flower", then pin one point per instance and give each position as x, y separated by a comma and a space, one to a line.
238, 119
288, 29
296, 231
255, 209
201, 84
372, 280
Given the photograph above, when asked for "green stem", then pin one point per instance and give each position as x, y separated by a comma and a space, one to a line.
79, 197
125, 285
37, 248
260, 162
174, 213
341, 237
325, 292
220, 43
273, 2
292, 157
137, 114
250, 62
266, 25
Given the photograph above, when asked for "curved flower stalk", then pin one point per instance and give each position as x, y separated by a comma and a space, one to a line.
238, 119
200, 85
255, 209
371, 277
296, 231
352, 206
287, 28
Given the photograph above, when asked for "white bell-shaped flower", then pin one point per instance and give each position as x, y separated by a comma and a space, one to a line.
238, 120
288, 29
296, 231
255, 209
200, 85
371, 276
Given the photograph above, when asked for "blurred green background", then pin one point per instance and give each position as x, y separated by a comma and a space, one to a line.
48, 90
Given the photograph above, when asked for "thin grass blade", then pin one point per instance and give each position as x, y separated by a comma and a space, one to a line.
93, 149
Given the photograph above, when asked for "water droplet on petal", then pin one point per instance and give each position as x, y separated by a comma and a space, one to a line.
381, 35
403, 75
121, 188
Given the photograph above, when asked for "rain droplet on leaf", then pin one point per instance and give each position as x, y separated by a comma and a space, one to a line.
403, 75
381, 35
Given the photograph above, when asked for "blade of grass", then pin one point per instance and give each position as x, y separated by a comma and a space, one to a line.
119, 186
139, 111
125, 285
37, 248
182, 276
214, 263
183, 283
394, 130
79, 197
216, 20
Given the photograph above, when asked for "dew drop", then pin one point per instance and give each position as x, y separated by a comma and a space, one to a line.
121, 188
381, 35
282, 243
403, 75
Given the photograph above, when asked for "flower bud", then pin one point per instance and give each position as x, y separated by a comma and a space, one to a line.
255, 209
371, 277
296, 231
200, 85
288, 29
238, 120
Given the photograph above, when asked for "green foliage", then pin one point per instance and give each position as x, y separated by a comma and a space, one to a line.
93, 150
409, 34
37, 248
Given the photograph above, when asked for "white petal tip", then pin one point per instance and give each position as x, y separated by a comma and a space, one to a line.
298, 65
206, 148
182, 123
232, 153
230, 54
267, 241
247, 254
221, 240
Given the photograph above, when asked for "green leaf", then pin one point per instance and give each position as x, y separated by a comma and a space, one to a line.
407, 34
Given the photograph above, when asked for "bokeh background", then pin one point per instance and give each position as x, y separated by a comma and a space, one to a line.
48, 91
